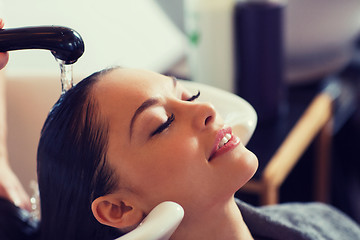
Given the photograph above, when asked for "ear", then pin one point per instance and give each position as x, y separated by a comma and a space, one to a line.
111, 210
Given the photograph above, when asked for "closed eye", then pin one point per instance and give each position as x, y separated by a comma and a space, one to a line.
194, 97
164, 126
171, 118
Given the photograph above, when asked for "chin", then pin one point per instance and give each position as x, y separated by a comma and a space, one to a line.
252, 162
247, 168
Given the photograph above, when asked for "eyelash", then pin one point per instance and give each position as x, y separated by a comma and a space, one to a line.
171, 119
165, 125
194, 97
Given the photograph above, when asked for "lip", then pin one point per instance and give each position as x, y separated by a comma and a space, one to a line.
231, 144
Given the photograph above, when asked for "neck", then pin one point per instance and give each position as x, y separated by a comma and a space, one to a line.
219, 222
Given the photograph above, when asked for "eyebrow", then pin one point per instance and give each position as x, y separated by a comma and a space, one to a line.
145, 105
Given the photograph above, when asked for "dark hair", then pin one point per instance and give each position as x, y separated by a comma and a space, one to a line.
72, 166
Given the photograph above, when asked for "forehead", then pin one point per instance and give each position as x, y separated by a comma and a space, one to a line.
121, 91
129, 80
128, 84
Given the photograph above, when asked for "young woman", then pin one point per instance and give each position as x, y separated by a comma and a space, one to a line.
122, 141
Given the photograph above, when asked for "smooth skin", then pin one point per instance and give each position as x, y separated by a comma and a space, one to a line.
171, 164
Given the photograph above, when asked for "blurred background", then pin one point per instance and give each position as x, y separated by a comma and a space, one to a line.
312, 42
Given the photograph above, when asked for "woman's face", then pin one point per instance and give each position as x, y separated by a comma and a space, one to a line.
163, 143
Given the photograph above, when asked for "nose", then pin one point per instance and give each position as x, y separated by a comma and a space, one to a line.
203, 114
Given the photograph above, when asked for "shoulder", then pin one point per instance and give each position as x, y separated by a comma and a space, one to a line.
301, 221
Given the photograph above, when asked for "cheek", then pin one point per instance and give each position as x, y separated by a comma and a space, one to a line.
173, 159
169, 170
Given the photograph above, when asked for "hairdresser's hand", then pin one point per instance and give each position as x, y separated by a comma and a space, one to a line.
11, 188
4, 56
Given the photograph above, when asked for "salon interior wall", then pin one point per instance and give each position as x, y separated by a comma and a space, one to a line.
318, 34
134, 33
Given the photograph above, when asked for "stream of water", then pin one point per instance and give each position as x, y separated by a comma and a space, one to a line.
66, 76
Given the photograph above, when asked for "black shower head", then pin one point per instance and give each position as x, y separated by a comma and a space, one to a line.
64, 43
